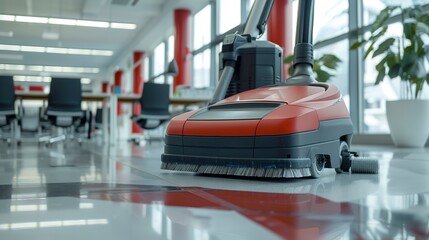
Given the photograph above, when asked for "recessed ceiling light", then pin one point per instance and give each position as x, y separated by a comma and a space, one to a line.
14, 67
6, 34
86, 23
57, 50
79, 51
53, 69
69, 22
123, 25
10, 18
35, 68
34, 78
62, 21
30, 19
45, 69
6, 47
75, 51
102, 52
50, 35
20, 78
32, 49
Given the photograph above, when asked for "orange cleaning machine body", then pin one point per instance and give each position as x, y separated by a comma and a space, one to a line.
265, 130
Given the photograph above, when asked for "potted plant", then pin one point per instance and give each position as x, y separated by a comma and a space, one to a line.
324, 67
406, 57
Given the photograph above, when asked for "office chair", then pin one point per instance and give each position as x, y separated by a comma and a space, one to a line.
154, 103
64, 105
31, 128
7, 107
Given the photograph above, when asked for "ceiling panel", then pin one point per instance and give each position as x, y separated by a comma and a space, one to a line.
146, 14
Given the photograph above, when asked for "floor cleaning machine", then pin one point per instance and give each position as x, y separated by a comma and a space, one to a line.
259, 125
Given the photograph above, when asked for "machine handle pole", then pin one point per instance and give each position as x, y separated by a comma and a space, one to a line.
305, 22
258, 17
224, 80
303, 51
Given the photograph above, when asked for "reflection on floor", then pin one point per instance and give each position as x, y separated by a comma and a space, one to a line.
100, 192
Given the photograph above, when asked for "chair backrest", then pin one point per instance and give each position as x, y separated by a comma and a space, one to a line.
99, 116
155, 99
7, 94
65, 95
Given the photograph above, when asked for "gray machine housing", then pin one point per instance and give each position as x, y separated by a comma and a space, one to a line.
257, 63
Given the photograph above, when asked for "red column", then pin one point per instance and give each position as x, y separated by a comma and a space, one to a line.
280, 27
105, 87
117, 88
182, 20
137, 85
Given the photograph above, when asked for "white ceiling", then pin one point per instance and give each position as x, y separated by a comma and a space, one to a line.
154, 20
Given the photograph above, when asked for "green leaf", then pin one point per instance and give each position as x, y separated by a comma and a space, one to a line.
373, 40
382, 17
288, 59
330, 61
380, 66
374, 37
409, 29
358, 44
391, 59
369, 50
408, 59
394, 70
380, 78
418, 68
383, 47
422, 28
291, 70
323, 76
317, 65
423, 18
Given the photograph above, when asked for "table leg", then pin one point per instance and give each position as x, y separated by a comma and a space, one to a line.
106, 120
113, 119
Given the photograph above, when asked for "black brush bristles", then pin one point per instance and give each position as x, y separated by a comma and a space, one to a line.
239, 171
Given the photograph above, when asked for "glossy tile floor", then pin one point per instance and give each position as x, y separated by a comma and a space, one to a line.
98, 192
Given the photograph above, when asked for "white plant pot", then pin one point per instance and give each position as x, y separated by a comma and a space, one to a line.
408, 122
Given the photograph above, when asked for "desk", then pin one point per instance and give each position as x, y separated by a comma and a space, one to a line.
107, 99
89, 97
112, 101
188, 101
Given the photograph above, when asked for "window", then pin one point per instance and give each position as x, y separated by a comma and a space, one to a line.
146, 69
170, 56
341, 50
229, 14
371, 8
159, 62
202, 27
249, 6
170, 48
202, 69
331, 18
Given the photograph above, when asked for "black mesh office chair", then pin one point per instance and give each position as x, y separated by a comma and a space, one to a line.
154, 102
64, 104
7, 105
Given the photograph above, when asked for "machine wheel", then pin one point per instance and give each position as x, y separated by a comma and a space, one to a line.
317, 166
344, 147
